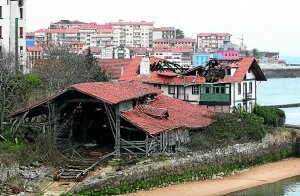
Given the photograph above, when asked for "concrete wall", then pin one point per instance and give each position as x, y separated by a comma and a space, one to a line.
193, 162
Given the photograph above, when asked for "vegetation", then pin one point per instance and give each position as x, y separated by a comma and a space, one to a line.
179, 34
15, 88
62, 68
228, 129
256, 53
205, 172
272, 116
10, 150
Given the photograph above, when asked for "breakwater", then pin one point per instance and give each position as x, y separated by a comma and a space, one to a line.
282, 72
193, 165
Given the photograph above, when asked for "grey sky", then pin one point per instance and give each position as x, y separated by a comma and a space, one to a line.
269, 25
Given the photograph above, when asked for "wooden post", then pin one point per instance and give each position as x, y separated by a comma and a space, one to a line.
118, 134
147, 145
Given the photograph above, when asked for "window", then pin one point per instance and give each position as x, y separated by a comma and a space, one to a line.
21, 32
207, 90
195, 90
223, 90
21, 13
228, 72
0, 11
239, 88
250, 87
171, 89
21, 51
0, 32
157, 86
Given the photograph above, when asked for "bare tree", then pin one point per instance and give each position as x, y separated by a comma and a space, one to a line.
61, 68
12, 87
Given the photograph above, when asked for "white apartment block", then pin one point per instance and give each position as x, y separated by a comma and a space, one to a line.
212, 42
164, 33
133, 34
13, 28
180, 56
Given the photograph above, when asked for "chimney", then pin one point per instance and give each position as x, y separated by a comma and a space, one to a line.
145, 67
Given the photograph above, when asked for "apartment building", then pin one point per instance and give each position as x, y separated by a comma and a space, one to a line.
164, 33
177, 43
180, 56
13, 28
132, 34
212, 42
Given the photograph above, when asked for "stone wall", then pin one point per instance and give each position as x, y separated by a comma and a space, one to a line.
192, 162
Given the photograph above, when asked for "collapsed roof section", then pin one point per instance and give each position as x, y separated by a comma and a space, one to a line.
163, 72
167, 113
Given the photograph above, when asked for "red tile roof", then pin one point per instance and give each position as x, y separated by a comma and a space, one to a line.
114, 66
115, 92
36, 48
209, 34
181, 115
243, 66
175, 40
164, 29
31, 34
159, 78
131, 23
109, 92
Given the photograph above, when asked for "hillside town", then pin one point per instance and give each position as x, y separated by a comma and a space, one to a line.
117, 107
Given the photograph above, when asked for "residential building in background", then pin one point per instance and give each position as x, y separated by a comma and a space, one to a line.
203, 58
180, 56
164, 33
176, 43
212, 42
30, 40
13, 29
66, 24
132, 34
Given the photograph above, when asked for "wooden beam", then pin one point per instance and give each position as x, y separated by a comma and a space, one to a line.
118, 133
147, 143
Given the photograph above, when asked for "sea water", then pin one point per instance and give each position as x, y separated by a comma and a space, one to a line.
281, 91
286, 187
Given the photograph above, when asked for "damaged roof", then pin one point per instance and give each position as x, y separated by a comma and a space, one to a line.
108, 92
166, 114
157, 77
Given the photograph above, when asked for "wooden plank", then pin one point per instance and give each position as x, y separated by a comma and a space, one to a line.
118, 133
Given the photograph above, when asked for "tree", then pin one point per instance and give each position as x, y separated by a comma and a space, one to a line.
61, 68
15, 88
97, 74
256, 53
179, 34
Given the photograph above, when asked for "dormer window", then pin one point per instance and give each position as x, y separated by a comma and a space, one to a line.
228, 72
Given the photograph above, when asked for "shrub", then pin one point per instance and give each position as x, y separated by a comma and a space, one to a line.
230, 129
270, 115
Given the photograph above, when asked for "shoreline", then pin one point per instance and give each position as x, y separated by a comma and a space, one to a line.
259, 175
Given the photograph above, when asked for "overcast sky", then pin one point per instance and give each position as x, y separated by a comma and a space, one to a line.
269, 25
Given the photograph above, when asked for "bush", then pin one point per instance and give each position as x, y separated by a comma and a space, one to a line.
270, 115
228, 129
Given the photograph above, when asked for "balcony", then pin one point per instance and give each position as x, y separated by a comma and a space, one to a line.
247, 96
222, 98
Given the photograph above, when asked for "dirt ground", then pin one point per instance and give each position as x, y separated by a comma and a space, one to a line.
259, 175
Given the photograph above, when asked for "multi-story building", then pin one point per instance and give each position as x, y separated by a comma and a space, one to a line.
66, 24
203, 58
236, 90
132, 34
164, 33
13, 28
34, 54
180, 56
177, 43
212, 42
